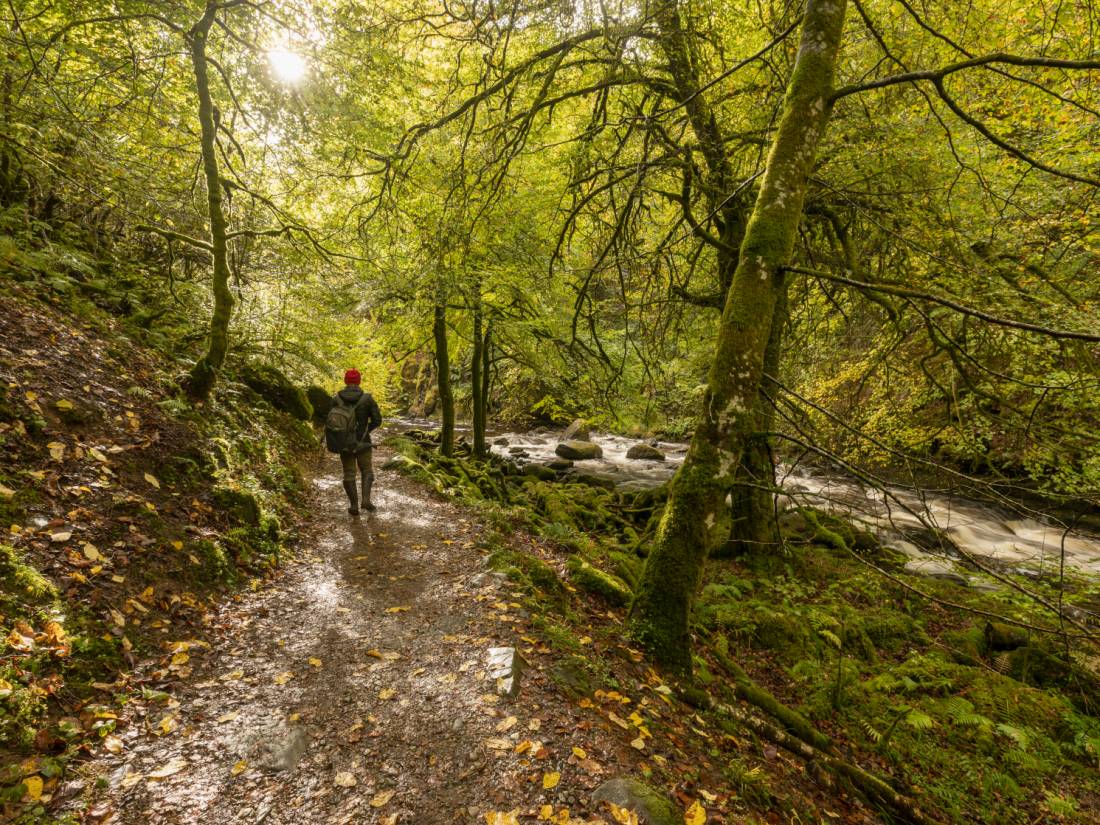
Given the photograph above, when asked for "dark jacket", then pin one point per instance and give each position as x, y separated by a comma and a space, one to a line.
367, 415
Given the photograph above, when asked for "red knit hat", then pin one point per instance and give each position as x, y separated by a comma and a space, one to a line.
352, 377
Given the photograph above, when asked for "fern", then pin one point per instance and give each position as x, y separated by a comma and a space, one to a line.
1017, 735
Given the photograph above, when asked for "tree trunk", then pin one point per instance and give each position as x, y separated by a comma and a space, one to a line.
661, 610
753, 526
205, 371
476, 367
443, 377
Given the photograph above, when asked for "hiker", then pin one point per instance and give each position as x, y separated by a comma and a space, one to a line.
348, 426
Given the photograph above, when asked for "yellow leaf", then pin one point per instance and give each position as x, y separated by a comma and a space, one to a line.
386, 694
235, 675
550, 779
57, 450
227, 717
180, 658
168, 724
6, 492
622, 723
396, 609
580, 753
381, 798
624, 816
346, 779
507, 724
240, 767
63, 404
695, 815
708, 796
177, 545
314, 661
5, 688
61, 536
523, 746
502, 818
283, 678
294, 717
545, 812
112, 744
638, 744
33, 785
152, 479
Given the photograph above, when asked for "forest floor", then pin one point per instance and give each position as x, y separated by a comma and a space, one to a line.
355, 688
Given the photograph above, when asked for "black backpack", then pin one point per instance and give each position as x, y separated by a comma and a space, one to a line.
341, 424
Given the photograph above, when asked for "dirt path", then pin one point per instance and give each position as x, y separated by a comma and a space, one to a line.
355, 689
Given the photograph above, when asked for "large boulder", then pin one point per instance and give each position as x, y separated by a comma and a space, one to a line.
577, 431
321, 401
644, 452
277, 390
579, 450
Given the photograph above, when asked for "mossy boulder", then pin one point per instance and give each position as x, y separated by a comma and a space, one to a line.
321, 400
540, 471
276, 389
21, 584
645, 452
575, 450
577, 431
590, 578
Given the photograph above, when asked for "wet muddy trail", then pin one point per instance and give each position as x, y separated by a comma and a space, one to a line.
355, 688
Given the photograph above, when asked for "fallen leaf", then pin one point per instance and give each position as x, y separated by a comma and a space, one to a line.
708, 796
580, 753
524, 746
6, 492
283, 678
550, 780
638, 744
240, 767
168, 724
381, 798
507, 724
502, 818
227, 717
345, 779
173, 767
499, 744
314, 661
396, 609
545, 812
152, 479
622, 723
59, 537
695, 815
624, 816
386, 694
57, 450
63, 404
180, 658
112, 744
33, 784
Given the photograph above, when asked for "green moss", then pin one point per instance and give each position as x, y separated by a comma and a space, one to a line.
590, 578
275, 388
20, 584
242, 506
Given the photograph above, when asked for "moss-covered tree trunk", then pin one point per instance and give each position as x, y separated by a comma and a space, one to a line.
661, 610
753, 527
205, 371
443, 379
477, 390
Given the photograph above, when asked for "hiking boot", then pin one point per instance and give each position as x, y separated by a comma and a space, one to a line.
353, 498
368, 482
370, 508
354, 511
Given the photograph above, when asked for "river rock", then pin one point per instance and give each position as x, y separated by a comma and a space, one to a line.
906, 548
540, 471
644, 452
501, 442
505, 667
651, 806
579, 450
559, 464
932, 568
602, 480
577, 431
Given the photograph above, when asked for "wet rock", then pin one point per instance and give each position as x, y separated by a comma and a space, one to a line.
501, 442
286, 751
932, 568
505, 668
540, 471
518, 452
577, 431
644, 452
559, 464
906, 548
579, 450
651, 806
601, 480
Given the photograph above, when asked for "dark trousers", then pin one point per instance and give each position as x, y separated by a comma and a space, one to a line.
360, 461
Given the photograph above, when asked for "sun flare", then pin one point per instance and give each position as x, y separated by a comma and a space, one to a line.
288, 66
